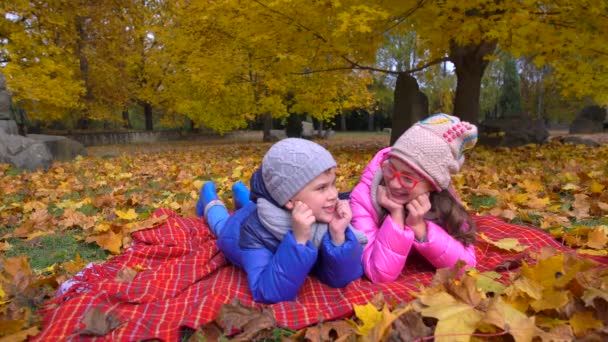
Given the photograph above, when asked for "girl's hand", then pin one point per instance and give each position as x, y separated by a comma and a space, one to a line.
302, 219
396, 210
416, 209
338, 225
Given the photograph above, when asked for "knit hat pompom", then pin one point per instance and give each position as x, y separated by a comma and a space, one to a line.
434, 147
292, 163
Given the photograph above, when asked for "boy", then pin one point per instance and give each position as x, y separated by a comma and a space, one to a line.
292, 223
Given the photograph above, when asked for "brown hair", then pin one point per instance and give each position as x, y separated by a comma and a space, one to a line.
453, 216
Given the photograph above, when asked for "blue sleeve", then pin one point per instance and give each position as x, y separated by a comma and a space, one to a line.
340, 265
278, 277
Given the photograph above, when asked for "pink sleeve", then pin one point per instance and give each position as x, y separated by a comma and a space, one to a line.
442, 250
388, 244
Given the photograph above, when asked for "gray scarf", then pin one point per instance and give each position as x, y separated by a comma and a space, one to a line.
278, 222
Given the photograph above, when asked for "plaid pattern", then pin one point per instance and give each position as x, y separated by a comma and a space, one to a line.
185, 281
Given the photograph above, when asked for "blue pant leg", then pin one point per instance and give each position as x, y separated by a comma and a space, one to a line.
216, 217
228, 240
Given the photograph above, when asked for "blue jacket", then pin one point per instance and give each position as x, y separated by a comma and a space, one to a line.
277, 269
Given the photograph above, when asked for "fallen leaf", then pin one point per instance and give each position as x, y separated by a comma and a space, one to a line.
21, 336
511, 320
126, 215
98, 323
330, 331
126, 274
581, 322
508, 244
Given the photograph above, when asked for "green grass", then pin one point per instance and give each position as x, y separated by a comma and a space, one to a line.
478, 202
47, 250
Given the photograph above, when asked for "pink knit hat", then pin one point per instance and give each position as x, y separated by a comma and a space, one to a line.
434, 147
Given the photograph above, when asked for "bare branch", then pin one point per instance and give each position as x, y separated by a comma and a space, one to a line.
356, 66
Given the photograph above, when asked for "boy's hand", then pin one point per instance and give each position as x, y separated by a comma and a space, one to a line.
302, 220
338, 225
396, 210
416, 209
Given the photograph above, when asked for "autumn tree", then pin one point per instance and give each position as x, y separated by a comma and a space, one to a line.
510, 99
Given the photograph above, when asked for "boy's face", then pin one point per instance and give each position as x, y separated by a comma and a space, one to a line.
320, 195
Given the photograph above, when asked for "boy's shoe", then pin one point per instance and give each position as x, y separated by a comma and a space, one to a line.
207, 195
241, 193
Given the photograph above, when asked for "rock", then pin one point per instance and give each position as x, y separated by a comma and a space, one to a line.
308, 130
589, 120
9, 127
61, 148
579, 141
24, 153
5, 100
277, 134
513, 131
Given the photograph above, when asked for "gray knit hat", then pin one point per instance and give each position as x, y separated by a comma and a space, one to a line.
434, 147
292, 163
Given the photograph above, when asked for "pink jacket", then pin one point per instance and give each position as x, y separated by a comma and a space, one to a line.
388, 245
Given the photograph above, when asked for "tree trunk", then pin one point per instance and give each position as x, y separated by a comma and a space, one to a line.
148, 116
470, 65
343, 122
126, 120
411, 105
370, 122
267, 124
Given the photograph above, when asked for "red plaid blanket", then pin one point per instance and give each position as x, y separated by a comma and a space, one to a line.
184, 281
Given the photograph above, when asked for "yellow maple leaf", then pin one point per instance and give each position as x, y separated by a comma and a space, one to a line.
456, 320
126, 215
37, 234
597, 239
485, 281
368, 315
551, 299
596, 187
109, 240
511, 320
583, 321
506, 243
601, 252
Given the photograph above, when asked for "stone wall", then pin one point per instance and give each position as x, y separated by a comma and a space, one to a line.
118, 138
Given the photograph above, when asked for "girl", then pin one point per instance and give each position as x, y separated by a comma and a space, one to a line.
404, 199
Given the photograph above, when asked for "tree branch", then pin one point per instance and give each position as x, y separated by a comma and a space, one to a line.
292, 20
356, 66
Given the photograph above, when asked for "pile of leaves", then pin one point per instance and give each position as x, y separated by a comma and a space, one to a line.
52, 223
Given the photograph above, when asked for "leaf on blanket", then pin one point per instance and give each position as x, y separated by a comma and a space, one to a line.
507, 244
251, 321
97, 323
207, 332
148, 223
330, 331
109, 240
126, 274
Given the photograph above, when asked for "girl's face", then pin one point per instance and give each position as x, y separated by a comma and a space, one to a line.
402, 182
320, 195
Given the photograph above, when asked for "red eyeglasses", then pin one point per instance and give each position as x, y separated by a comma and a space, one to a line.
406, 181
